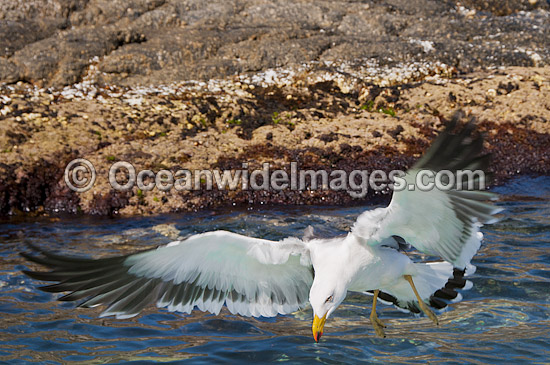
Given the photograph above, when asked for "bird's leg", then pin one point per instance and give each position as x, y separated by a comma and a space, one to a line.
376, 323
421, 303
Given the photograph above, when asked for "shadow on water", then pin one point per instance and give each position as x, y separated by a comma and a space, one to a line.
505, 317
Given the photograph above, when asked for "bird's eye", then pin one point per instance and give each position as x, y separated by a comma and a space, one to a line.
329, 299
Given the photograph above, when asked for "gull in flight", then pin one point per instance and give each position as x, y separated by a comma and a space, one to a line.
258, 277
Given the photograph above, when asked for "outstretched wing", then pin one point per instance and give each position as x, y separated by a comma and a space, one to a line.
442, 223
252, 277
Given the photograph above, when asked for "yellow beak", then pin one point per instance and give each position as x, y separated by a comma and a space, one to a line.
317, 327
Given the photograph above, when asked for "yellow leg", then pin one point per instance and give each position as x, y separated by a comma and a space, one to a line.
421, 303
376, 323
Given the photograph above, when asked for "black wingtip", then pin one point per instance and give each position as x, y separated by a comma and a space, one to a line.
457, 147
35, 259
54, 288
26, 256
39, 275
41, 260
438, 300
33, 247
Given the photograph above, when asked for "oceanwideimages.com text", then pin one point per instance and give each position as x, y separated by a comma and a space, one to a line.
80, 175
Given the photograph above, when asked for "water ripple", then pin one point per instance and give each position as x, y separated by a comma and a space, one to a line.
505, 317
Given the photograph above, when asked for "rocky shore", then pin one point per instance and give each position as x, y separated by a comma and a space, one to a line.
171, 85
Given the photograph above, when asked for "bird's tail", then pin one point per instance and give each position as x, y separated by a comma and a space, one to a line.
436, 282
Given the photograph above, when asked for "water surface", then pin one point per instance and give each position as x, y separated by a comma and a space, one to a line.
505, 317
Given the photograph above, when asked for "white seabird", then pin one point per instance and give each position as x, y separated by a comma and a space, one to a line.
258, 277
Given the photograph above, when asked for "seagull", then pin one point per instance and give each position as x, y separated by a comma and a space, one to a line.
263, 278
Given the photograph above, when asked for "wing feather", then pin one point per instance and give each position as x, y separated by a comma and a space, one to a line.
438, 222
252, 277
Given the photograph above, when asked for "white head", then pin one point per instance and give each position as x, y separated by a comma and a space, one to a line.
331, 264
324, 298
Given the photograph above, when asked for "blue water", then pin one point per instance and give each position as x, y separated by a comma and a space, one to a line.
505, 317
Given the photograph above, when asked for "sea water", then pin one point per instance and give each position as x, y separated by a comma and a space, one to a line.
505, 317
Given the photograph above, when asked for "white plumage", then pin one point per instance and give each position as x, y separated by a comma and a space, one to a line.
257, 277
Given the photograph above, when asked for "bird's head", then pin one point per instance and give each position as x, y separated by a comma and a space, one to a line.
324, 298
334, 268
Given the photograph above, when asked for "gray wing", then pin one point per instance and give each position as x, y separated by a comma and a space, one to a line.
252, 277
444, 223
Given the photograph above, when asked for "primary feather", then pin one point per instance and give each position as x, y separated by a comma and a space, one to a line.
251, 276
437, 222
257, 277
